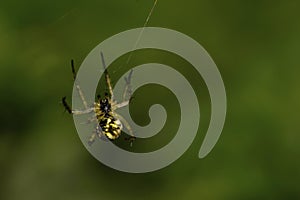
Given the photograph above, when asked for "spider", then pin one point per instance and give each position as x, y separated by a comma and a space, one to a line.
109, 123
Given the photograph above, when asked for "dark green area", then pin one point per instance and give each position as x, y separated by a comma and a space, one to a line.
256, 46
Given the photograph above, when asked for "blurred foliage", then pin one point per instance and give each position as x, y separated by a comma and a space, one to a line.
255, 45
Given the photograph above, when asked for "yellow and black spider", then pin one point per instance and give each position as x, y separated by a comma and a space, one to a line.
109, 123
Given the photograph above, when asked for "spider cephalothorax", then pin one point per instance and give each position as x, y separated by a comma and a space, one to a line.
105, 105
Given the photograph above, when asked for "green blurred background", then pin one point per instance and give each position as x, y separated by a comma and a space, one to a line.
256, 46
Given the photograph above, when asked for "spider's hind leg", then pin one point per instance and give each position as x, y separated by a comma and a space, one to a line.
131, 138
97, 133
92, 139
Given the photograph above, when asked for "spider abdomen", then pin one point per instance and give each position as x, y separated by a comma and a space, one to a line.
110, 126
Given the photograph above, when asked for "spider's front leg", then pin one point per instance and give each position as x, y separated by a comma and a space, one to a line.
127, 90
77, 86
127, 94
107, 77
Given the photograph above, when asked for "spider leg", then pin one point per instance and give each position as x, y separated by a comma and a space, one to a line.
107, 77
66, 105
81, 112
76, 112
127, 90
121, 105
98, 132
77, 86
131, 138
92, 139
90, 120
